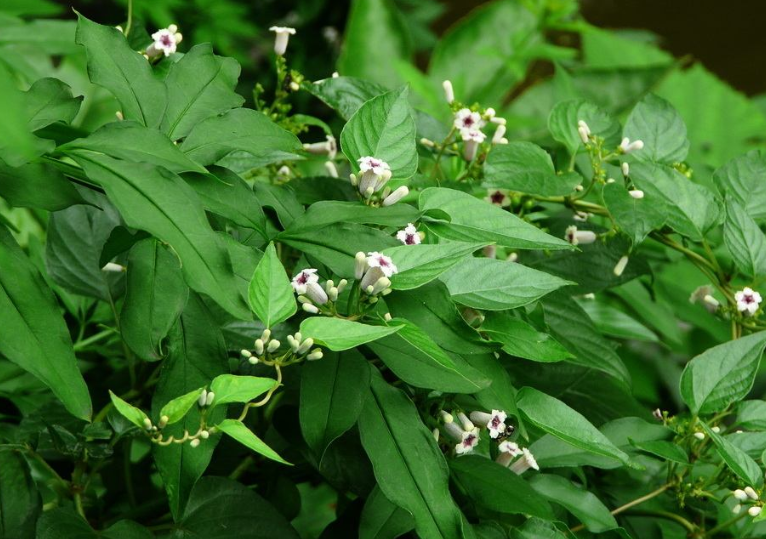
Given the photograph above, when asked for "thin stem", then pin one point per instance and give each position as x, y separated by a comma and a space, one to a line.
84, 343
630, 504
666, 515
265, 399
129, 24
723, 526
437, 164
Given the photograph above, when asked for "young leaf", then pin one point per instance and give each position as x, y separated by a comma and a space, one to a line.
408, 465
578, 501
33, 334
722, 374
527, 168
37, 185
634, 216
383, 128
238, 431
522, 340
270, 293
338, 334
128, 411
49, 101
736, 459
230, 388
740, 179
421, 264
176, 409
345, 95
745, 240
565, 116
662, 130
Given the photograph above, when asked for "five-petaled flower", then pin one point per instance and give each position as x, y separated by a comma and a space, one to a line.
526, 462
374, 271
499, 197
467, 120
468, 443
282, 38
165, 41
495, 421
748, 301
375, 173
409, 236
379, 260
471, 140
303, 279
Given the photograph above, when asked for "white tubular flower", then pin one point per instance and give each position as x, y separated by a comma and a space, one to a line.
329, 147
465, 422
375, 173
657, 414
165, 42
454, 431
471, 140
638, 194
620, 266
526, 462
468, 443
754, 511
498, 120
283, 34
449, 93
627, 146
398, 194
446, 417
301, 281
498, 197
316, 293
467, 120
751, 493
371, 277
576, 237
625, 169
499, 136
748, 301
360, 265
495, 422
331, 169
111, 267
408, 236
378, 260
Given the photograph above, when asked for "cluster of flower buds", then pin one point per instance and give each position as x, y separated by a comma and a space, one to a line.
205, 398
469, 124
462, 431
410, 235
748, 301
282, 38
165, 42
373, 271
577, 237
747, 496
372, 179
626, 146
265, 347
312, 295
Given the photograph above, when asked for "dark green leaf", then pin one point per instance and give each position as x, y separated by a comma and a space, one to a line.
526, 168
37, 185
655, 122
59, 523
339, 334
271, 296
744, 239
345, 94
381, 519
20, 503
578, 501
635, 217
740, 179
521, 339
49, 101
128, 411
421, 264
736, 459
327, 212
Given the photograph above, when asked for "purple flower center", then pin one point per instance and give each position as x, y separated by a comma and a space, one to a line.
497, 197
165, 40
303, 278
468, 121
409, 239
383, 262
749, 298
495, 422
469, 440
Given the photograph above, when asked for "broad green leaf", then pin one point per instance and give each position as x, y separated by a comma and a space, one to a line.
113, 64
49, 101
471, 220
200, 85
613, 322
219, 503
741, 179
328, 212
607, 49
176, 409
345, 95
722, 374
665, 450
132, 141
408, 465
270, 293
421, 264
383, 128
376, 37
339, 334
635, 217
578, 501
243, 130
381, 519
526, 168
333, 391
229, 388
238, 431
282, 198
20, 503
744, 239
662, 130
33, 334
558, 419
497, 488
196, 355
563, 124
415, 358
60, 522
158, 201
521, 339
653, 309
37, 185
496, 285
155, 296
736, 459
500, 394
751, 414
691, 209
128, 411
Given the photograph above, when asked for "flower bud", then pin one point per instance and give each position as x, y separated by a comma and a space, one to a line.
333, 294
309, 308
699, 435
449, 93
246, 353
194, 443
204, 435
360, 265
638, 194
754, 511
111, 267
499, 134
292, 343
202, 398
305, 346
396, 196
387, 317
314, 355
252, 360
273, 346
259, 347
147, 423
620, 266
209, 398
751, 493
163, 421
625, 169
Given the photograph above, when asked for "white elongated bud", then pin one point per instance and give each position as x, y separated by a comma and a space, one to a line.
342, 285
259, 347
314, 355
266, 335
717, 430
246, 353
445, 417
497, 138
293, 343
119, 115
294, 86
751, 493
620, 266
163, 421
387, 317
360, 265
333, 294
380, 285
465, 422
737, 509
454, 431
282, 38
331, 169
273, 346
202, 398
498, 120
396, 196
147, 423
252, 360
194, 442
303, 299
699, 435
309, 308
354, 179
435, 434
583, 135
625, 169
754, 511
209, 398
305, 346
111, 267
638, 194
449, 92
428, 143
627, 146
610, 180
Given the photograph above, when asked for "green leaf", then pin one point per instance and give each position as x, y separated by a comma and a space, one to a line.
607, 49
722, 374
635, 217
229, 388
113, 64
520, 339
176, 409
415, 358
563, 123
741, 179
37, 185
751, 414
665, 450
49, 101
496, 488
270, 293
345, 95
338, 334
158, 201
381, 519
736, 459
60, 522
655, 122
132, 141
745, 240
20, 503
33, 334
196, 355
558, 419
421, 264
328, 212
496, 285
333, 391
383, 128
219, 504
155, 296
238, 431
128, 411
613, 322
583, 504
408, 465
471, 220
200, 85
243, 130
526, 168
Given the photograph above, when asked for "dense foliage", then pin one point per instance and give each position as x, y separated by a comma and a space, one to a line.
485, 300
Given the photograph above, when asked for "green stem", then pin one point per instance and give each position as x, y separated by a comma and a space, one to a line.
666, 515
723, 526
129, 24
630, 504
84, 343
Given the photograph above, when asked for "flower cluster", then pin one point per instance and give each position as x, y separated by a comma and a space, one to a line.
747, 496
313, 296
165, 42
373, 271
266, 349
372, 179
409, 235
469, 124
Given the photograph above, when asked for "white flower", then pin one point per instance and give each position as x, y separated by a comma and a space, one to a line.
449, 93
282, 38
303, 279
408, 236
329, 147
748, 301
165, 41
704, 295
331, 169
495, 421
375, 174
620, 266
378, 260
316, 293
377, 166
471, 140
657, 413
627, 146
499, 197
469, 441
526, 462
467, 120
576, 237
398, 194
509, 447
499, 136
